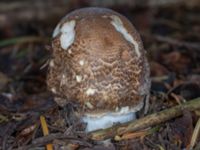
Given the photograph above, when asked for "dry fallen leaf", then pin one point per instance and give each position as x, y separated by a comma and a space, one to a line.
4, 80
176, 61
182, 128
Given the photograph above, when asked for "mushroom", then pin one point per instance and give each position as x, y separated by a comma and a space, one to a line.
98, 61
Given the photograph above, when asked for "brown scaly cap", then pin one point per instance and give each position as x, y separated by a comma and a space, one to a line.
98, 61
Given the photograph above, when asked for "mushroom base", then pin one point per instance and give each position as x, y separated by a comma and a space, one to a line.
107, 120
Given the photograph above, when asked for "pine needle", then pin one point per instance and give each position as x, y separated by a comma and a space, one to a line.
45, 131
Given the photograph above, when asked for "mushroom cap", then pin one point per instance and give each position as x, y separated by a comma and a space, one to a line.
98, 61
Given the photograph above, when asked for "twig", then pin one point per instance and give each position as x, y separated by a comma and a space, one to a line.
177, 42
147, 121
49, 138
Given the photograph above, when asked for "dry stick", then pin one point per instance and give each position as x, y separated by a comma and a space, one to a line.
176, 42
147, 121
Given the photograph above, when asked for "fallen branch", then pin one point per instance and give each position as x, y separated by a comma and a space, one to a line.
145, 122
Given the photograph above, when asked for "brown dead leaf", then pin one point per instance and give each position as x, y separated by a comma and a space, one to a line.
4, 80
182, 128
176, 61
158, 69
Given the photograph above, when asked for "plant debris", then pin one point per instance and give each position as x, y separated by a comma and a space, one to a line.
171, 38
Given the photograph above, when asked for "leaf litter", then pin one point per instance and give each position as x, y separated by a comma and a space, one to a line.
171, 39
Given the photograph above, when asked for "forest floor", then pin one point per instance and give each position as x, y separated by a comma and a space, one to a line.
171, 36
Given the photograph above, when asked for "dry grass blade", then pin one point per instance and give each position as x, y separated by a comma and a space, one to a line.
195, 135
22, 40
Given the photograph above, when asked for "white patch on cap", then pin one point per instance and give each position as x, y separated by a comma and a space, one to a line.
106, 120
81, 62
78, 78
67, 34
118, 24
89, 105
56, 31
51, 63
63, 80
90, 91
63, 76
69, 51
53, 90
